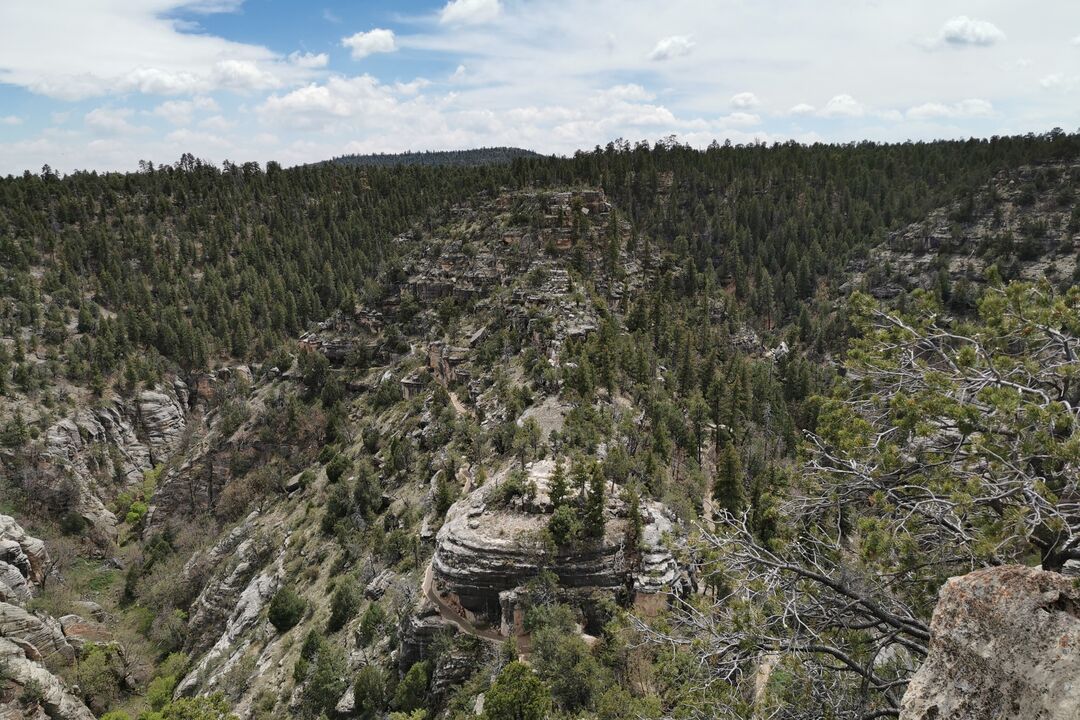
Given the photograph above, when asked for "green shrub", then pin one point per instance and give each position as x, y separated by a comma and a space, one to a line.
517, 694
286, 609
372, 618
337, 467
344, 603
369, 691
411, 693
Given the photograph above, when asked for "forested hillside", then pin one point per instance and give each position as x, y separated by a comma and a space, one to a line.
478, 156
648, 432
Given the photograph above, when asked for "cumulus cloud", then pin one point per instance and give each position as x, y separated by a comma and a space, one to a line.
962, 31
672, 47
802, 109
843, 106
10, 120
128, 46
181, 112
367, 43
110, 120
309, 60
745, 100
469, 12
970, 108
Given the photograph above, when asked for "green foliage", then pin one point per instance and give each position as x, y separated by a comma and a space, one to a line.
286, 608
517, 694
728, 489
411, 692
213, 707
337, 467
564, 526
344, 603
370, 622
369, 691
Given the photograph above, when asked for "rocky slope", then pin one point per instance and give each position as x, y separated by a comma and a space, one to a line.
33, 645
1024, 221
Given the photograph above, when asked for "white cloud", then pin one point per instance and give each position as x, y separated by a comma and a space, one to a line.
181, 112
217, 122
309, 60
459, 74
367, 43
1075, 40
469, 12
802, 109
672, 47
1058, 81
110, 120
962, 31
128, 46
745, 100
843, 106
10, 120
970, 108
740, 119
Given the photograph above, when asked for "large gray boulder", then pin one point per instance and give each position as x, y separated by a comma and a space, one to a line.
1004, 644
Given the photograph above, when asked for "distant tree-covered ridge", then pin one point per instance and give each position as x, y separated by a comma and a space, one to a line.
468, 158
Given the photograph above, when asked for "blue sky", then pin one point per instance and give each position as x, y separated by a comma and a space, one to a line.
101, 84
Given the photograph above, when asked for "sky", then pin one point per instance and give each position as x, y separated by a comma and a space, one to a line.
102, 84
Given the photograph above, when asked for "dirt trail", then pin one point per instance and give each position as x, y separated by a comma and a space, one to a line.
451, 615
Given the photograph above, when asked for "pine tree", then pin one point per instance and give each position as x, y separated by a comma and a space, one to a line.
728, 483
558, 487
594, 503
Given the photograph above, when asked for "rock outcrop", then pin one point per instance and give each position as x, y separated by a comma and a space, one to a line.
483, 549
1005, 644
31, 643
136, 435
57, 702
41, 631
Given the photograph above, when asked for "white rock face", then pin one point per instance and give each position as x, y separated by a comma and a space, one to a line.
138, 435
482, 550
58, 702
40, 631
26, 553
1005, 644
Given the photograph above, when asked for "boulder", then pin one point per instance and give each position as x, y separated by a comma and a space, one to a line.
1004, 644
41, 631
21, 550
13, 585
79, 632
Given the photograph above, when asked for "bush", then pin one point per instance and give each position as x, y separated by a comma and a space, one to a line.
369, 691
344, 604
411, 693
517, 694
159, 691
373, 617
564, 526
337, 467
286, 609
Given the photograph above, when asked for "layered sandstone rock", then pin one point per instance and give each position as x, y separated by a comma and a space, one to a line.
482, 549
1005, 644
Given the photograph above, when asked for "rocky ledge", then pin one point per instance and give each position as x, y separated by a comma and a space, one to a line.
484, 548
1004, 643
